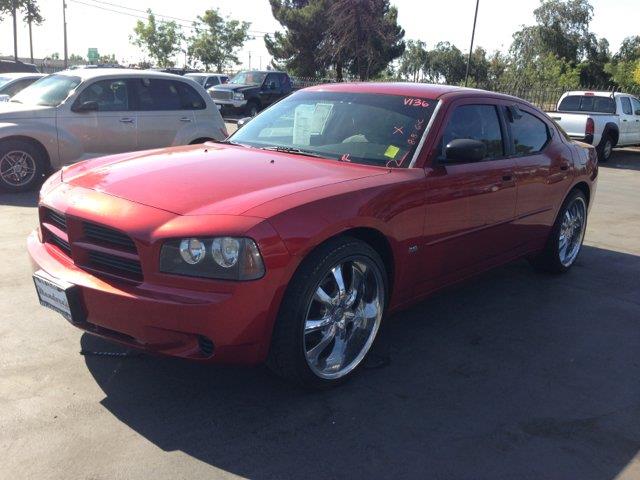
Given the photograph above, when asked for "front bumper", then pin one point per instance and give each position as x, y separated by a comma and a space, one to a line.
170, 320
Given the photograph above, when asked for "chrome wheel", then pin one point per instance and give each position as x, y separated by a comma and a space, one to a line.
17, 168
572, 231
343, 317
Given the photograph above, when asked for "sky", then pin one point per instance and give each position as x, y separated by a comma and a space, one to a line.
428, 20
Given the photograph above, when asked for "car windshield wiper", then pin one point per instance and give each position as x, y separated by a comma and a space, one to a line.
229, 142
293, 150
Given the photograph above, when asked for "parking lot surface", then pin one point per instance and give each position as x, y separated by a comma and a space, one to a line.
514, 374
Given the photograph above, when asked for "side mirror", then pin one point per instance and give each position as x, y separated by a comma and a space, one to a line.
638, 112
272, 86
87, 107
243, 121
465, 150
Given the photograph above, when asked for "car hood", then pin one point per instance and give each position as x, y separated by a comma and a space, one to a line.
210, 179
235, 88
18, 111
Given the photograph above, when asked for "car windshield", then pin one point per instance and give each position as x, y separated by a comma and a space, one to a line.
50, 91
198, 78
371, 129
4, 81
248, 78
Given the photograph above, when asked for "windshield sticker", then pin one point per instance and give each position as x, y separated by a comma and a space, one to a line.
391, 151
302, 120
320, 117
415, 102
398, 130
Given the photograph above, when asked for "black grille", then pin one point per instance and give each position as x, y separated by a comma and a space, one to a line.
60, 243
206, 345
56, 219
116, 265
107, 236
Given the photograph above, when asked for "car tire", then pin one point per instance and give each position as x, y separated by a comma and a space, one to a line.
252, 109
605, 149
22, 166
323, 332
565, 241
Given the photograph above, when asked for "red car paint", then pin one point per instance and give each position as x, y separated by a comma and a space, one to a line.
434, 224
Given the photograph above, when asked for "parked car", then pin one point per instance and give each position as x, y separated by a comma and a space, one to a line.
291, 240
208, 80
249, 92
10, 66
603, 119
174, 70
85, 113
12, 83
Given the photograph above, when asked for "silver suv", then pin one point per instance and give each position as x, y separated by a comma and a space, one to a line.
80, 114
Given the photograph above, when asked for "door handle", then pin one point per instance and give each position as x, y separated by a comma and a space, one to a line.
507, 178
126, 120
624, 119
185, 119
564, 167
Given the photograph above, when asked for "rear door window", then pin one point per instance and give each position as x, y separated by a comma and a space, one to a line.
211, 81
530, 134
476, 122
626, 105
636, 106
153, 94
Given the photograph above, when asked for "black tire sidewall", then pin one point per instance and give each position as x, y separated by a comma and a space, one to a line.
295, 303
602, 149
34, 152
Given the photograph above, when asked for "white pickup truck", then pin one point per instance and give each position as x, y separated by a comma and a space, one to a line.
603, 119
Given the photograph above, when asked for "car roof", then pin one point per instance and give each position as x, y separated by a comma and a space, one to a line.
204, 74
424, 90
91, 73
16, 75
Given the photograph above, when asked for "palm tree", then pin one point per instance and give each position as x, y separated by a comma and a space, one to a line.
31, 16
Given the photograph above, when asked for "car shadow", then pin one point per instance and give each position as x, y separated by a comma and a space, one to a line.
24, 199
514, 374
624, 159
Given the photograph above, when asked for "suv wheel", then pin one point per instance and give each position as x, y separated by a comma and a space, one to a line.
605, 149
21, 166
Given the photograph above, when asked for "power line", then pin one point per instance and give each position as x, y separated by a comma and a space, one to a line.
190, 26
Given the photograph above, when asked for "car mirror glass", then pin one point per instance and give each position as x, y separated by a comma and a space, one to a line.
465, 150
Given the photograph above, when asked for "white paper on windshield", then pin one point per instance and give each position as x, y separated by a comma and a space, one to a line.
320, 117
302, 120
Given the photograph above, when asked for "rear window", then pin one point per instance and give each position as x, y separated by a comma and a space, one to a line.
587, 103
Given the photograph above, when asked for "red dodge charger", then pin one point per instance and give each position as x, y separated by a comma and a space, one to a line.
289, 242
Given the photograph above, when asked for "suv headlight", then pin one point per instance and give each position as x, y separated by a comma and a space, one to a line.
226, 258
238, 96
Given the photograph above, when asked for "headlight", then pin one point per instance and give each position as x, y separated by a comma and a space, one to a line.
238, 96
226, 258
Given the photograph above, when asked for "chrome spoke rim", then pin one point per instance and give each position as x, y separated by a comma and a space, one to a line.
17, 168
572, 231
343, 317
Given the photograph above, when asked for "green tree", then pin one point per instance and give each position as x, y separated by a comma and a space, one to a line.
414, 60
12, 7
629, 49
161, 40
217, 40
446, 64
32, 16
110, 58
363, 35
562, 29
624, 64
299, 49
75, 59
592, 69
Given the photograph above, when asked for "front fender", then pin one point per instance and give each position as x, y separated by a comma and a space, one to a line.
42, 132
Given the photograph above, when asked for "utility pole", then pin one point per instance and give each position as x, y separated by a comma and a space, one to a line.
249, 61
15, 30
64, 21
473, 33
